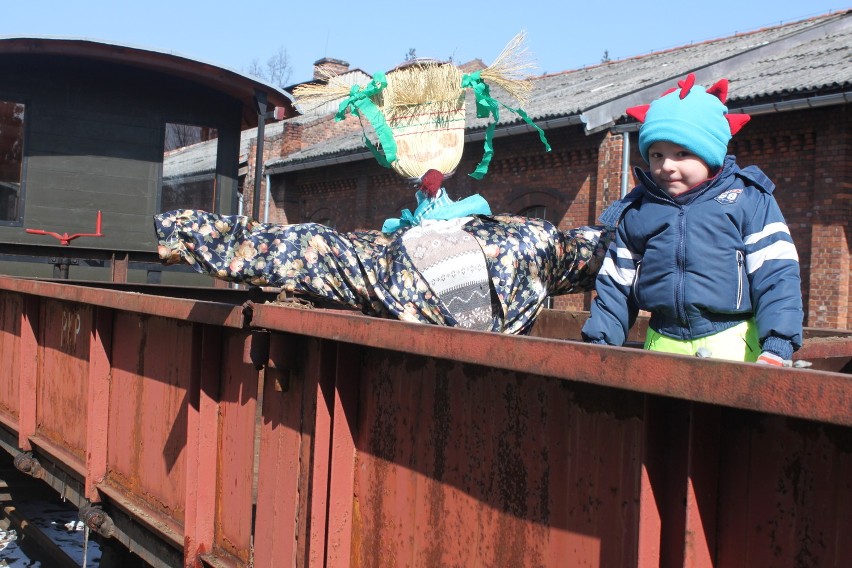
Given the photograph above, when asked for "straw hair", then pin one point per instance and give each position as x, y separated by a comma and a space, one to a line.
512, 70
310, 96
424, 105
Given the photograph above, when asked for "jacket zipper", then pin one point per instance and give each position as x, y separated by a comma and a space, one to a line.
740, 262
679, 300
636, 282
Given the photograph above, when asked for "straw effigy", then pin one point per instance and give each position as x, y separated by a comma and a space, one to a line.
418, 109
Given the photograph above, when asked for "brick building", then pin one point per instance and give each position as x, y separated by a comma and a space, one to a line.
793, 79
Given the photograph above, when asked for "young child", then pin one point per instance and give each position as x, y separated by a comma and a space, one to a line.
700, 243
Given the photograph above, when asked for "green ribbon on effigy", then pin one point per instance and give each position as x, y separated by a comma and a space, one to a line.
486, 106
360, 103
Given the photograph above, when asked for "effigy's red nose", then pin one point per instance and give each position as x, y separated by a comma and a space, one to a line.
430, 182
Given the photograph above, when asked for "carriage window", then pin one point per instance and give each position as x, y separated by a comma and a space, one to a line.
11, 159
189, 167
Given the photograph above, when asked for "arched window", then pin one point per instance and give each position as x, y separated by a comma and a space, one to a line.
534, 212
323, 216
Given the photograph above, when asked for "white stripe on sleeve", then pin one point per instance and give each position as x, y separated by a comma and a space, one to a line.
623, 276
779, 250
769, 229
622, 252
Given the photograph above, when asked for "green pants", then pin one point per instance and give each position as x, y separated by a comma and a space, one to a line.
739, 343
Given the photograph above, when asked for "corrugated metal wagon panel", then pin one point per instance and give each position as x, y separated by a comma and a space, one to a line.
63, 377
380, 443
11, 307
451, 457
787, 492
280, 472
236, 450
147, 411
465, 465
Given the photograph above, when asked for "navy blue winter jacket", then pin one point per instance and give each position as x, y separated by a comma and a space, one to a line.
700, 263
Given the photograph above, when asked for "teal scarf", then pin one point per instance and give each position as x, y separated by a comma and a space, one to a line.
441, 208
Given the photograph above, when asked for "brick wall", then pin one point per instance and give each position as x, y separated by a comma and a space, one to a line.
807, 155
292, 138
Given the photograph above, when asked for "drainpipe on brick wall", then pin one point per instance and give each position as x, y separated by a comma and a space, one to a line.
262, 114
625, 130
267, 195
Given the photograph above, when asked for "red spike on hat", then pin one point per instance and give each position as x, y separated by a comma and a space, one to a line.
430, 183
720, 90
737, 121
638, 112
686, 84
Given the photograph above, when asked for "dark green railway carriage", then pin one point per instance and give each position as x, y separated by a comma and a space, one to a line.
88, 127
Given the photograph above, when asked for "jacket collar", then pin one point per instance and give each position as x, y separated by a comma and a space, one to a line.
729, 168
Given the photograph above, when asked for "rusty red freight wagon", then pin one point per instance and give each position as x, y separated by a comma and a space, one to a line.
209, 428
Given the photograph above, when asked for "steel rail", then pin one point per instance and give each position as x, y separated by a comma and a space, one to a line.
189, 310
802, 393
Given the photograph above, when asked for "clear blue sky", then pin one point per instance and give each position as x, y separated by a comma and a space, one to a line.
376, 35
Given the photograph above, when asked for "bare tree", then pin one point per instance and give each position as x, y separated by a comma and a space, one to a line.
182, 135
411, 55
605, 58
276, 71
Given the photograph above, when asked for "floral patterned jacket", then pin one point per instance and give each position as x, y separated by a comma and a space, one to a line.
527, 261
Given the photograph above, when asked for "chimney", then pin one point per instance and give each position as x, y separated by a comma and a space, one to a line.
332, 66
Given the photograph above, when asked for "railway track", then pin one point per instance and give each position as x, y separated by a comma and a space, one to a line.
37, 528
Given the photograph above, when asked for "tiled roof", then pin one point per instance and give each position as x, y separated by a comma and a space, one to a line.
769, 61
810, 57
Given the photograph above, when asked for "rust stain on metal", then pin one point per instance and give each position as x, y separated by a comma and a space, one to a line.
147, 424
377, 527
11, 306
462, 464
63, 377
238, 383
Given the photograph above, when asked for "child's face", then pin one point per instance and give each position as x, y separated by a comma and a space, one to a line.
676, 169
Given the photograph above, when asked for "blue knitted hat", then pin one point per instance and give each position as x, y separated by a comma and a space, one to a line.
690, 116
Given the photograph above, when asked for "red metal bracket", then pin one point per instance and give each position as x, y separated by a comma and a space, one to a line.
65, 238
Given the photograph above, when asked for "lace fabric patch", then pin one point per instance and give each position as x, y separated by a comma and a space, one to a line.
452, 262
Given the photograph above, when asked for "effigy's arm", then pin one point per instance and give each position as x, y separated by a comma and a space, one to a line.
363, 269
531, 259
583, 253
309, 258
